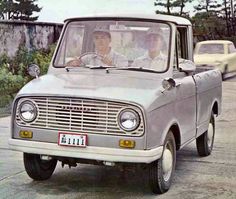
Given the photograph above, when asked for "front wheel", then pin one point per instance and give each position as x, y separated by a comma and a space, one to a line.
39, 169
161, 171
206, 140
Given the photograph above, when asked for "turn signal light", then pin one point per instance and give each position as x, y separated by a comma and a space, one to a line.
26, 134
127, 143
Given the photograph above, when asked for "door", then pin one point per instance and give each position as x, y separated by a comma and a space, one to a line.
185, 104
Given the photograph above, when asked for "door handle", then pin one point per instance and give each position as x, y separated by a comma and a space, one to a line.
198, 76
177, 84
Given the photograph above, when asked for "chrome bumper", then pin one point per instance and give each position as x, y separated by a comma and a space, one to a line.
90, 152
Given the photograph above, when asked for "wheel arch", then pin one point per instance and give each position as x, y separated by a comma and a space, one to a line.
215, 108
176, 132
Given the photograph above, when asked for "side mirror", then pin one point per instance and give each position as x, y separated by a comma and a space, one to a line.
169, 83
33, 70
186, 66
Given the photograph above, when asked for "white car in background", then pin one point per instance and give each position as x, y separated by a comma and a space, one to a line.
219, 54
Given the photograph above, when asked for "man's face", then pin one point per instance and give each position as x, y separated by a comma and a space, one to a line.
154, 42
101, 40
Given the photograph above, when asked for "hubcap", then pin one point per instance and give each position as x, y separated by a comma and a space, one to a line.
210, 134
167, 163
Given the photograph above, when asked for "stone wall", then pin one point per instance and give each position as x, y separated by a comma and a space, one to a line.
32, 35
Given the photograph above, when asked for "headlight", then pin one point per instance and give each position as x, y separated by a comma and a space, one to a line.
128, 120
27, 111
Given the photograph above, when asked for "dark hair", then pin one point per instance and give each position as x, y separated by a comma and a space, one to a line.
100, 31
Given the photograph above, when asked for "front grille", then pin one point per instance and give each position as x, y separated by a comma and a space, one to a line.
79, 115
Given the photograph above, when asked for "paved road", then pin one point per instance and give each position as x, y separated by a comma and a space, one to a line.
209, 177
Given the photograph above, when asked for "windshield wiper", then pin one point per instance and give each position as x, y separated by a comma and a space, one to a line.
100, 67
68, 68
138, 69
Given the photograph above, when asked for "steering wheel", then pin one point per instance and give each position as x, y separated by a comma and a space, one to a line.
79, 61
90, 53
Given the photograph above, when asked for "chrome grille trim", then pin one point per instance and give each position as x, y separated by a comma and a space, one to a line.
79, 115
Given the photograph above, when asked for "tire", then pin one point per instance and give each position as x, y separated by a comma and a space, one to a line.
39, 169
161, 171
206, 140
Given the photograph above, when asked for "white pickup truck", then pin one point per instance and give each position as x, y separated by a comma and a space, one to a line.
120, 90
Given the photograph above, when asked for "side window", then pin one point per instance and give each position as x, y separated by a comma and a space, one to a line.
71, 45
232, 48
183, 42
177, 54
181, 46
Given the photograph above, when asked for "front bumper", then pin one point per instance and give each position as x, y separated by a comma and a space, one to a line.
90, 152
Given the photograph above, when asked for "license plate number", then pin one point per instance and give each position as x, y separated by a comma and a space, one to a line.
69, 139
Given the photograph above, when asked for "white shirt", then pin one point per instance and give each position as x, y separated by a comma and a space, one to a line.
159, 63
118, 60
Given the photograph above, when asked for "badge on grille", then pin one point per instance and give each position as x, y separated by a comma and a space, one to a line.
76, 108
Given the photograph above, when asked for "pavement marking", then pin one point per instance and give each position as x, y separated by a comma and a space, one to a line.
208, 162
7, 177
3, 148
5, 127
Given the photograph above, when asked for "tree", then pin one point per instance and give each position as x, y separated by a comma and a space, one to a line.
25, 9
225, 13
172, 7
223, 9
208, 6
211, 19
208, 26
18, 9
6, 9
228, 14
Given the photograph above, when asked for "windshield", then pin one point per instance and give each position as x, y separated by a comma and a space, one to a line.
211, 49
115, 43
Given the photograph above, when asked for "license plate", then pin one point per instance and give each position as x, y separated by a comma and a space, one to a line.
70, 139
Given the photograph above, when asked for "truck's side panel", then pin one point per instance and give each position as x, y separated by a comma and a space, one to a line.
208, 91
185, 107
179, 108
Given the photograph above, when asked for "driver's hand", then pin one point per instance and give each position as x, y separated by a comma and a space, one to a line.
107, 60
74, 62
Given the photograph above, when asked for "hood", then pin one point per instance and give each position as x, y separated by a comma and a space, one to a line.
209, 58
127, 86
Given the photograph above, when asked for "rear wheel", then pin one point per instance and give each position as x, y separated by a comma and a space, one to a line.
39, 169
161, 171
206, 140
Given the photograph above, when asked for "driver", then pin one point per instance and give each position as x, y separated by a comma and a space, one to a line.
155, 57
104, 55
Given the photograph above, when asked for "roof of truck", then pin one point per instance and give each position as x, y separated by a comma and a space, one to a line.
160, 17
215, 42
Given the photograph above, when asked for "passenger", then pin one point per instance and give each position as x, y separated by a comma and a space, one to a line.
155, 58
104, 54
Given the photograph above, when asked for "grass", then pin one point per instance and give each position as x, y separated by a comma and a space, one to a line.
5, 105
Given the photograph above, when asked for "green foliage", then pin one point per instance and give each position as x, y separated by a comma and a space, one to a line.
210, 6
214, 19
23, 58
10, 83
13, 71
208, 26
172, 7
18, 9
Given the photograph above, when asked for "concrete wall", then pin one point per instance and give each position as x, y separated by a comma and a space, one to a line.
29, 34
